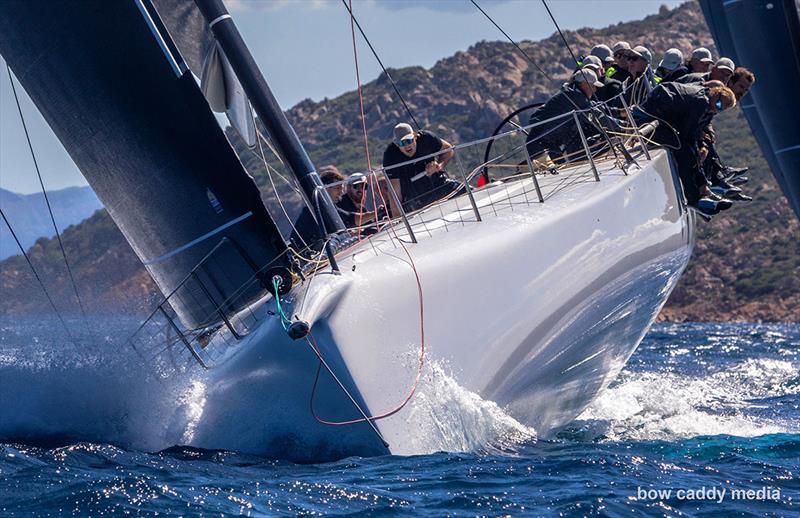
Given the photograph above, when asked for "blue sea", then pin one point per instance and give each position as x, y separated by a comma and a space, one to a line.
703, 421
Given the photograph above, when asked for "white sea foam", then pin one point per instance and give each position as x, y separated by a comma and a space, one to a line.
665, 405
98, 392
447, 417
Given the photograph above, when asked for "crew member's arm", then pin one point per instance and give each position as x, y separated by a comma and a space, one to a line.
442, 160
392, 201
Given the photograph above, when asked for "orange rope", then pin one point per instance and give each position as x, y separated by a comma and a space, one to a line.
364, 129
413, 389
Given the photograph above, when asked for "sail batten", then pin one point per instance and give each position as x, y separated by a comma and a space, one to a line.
145, 139
178, 68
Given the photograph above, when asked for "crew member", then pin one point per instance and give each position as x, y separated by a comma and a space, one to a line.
721, 71
418, 181
687, 110
306, 233
672, 61
352, 205
559, 138
604, 53
700, 61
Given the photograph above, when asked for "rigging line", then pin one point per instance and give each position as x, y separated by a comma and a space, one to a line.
363, 124
420, 366
394, 85
36, 274
598, 125
575, 59
274, 188
532, 62
358, 81
277, 157
46, 198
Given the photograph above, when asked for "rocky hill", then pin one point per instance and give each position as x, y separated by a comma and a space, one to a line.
746, 264
28, 212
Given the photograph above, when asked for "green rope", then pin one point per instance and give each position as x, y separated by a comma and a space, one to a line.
284, 319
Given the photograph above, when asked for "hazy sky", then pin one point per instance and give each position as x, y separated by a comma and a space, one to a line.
304, 49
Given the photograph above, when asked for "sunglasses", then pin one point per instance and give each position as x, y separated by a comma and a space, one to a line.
406, 142
718, 104
358, 187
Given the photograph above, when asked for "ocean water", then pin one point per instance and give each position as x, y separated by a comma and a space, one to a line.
703, 421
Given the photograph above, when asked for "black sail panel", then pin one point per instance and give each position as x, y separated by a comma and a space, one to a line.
714, 13
766, 38
142, 134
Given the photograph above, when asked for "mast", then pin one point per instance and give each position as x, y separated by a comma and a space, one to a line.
270, 113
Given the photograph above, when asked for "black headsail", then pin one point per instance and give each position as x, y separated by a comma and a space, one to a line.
765, 36
114, 89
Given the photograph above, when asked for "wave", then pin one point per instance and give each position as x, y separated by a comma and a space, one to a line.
448, 417
101, 392
54, 393
737, 400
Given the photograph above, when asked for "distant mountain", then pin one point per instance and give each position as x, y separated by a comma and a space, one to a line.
746, 264
28, 214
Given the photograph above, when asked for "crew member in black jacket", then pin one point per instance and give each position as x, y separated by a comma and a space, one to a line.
687, 109
560, 137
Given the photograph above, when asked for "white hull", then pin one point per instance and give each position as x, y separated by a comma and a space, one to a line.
536, 308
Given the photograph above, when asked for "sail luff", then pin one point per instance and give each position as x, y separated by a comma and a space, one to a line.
146, 141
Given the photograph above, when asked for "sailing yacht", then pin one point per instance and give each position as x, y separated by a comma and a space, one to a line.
531, 292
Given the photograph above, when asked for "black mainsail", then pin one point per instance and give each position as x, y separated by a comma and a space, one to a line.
111, 84
765, 34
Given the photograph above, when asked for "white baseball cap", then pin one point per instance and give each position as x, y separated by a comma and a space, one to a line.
725, 64
703, 54
643, 52
586, 75
593, 62
672, 59
602, 52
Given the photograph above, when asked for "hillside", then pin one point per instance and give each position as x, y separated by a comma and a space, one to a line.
28, 213
747, 261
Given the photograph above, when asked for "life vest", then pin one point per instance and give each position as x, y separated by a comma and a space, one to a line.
610, 71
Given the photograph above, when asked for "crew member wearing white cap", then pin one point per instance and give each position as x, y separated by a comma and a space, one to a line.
595, 63
418, 181
560, 137
700, 61
721, 71
631, 63
672, 61
604, 53
352, 206
619, 70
